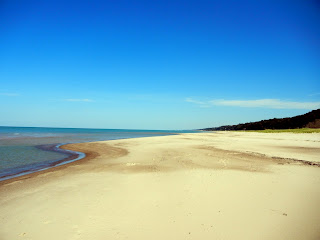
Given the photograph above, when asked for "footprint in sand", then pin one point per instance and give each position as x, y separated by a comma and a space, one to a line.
223, 162
22, 234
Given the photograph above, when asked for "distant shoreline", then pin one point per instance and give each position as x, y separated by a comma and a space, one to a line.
296, 130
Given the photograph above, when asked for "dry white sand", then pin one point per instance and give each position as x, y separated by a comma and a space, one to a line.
192, 186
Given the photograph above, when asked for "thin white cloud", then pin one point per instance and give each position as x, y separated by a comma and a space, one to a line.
200, 103
10, 94
79, 100
260, 103
194, 101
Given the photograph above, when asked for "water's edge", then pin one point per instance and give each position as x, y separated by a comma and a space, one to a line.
50, 140
71, 156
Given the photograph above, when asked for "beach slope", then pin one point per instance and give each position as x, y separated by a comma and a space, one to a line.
226, 185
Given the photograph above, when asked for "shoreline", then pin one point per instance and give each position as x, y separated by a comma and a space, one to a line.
72, 156
27, 169
77, 154
188, 186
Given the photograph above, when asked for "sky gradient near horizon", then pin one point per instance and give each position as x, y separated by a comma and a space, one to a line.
157, 64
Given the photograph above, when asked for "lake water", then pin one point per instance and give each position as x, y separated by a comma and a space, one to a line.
24, 150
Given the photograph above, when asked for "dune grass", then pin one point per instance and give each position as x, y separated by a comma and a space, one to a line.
298, 130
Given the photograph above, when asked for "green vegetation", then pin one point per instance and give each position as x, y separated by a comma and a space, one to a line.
297, 130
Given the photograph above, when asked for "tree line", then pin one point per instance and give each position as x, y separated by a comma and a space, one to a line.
310, 119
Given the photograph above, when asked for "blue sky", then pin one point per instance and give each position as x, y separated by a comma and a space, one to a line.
157, 64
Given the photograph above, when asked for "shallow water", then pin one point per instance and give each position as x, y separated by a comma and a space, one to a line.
24, 150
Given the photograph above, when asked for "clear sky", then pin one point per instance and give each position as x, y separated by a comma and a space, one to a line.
157, 64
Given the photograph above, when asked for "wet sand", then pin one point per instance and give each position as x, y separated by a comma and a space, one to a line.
227, 185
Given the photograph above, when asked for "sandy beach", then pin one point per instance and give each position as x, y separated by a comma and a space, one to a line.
225, 185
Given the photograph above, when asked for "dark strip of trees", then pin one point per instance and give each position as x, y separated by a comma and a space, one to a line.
310, 119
